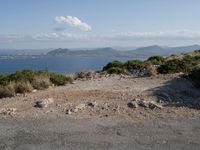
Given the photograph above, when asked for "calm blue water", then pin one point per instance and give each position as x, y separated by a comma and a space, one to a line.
64, 65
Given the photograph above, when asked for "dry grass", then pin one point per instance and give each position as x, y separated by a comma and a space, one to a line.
41, 82
152, 70
23, 87
7, 91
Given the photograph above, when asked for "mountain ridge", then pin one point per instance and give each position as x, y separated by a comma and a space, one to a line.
109, 51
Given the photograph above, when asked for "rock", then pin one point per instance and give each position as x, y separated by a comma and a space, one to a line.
44, 103
3, 111
39, 104
143, 103
34, 91
153, 105
8, 111
79, 107
150, 105
136, 99
92, 104
68, 111
132, 104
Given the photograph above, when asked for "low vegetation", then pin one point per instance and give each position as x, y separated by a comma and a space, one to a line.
187, 63
195, 76
26, 80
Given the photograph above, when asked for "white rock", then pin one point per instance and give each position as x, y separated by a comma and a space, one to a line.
143, 103
8, 111
34, 91
79, 107
92, 104
133, 104
68, 111
153, 105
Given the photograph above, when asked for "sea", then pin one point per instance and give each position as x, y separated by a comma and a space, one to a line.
58, 64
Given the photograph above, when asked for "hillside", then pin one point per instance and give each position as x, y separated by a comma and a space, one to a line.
143, 51
107, 51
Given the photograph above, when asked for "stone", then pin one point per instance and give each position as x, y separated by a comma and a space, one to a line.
132, 104
39, 104
153, 105
68, 111
44, 103
8, 111
92, 104
3, 111
79, 107
143, 103
34, 91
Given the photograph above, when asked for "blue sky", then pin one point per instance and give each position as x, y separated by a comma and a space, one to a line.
97, 23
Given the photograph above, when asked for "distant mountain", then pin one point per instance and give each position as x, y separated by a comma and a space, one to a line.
107, 51
149, 50
139, 52
179, 50
58, 51
164, 51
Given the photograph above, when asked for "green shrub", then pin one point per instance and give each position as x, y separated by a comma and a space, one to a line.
114, 64
24, 75
82, 75
58, 79
4, 80
135, 65
172, 66
156, 60
195, 76
26, 80
116, 70
69, 79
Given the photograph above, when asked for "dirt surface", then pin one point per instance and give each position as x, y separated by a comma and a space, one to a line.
68, 122
104, 133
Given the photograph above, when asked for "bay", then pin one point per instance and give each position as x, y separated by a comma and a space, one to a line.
59, 64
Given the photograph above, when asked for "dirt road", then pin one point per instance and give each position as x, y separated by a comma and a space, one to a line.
99, 134
109, 123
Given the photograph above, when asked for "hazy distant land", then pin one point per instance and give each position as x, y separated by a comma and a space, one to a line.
142, 52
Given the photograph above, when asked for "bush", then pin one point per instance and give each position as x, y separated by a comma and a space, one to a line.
156, 60
82, 75
23, 87
117, 70
58, 79
195, 76
7, 91
4, 80
25, 80
41, 82
151, 70
24, 75
114, 64
172, 66
133, 65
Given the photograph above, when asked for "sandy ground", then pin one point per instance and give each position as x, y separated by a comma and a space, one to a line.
111, 124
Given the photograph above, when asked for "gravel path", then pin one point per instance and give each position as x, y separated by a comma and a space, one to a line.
70, 134
111, 124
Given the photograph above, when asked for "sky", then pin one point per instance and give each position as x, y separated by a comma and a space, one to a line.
40, 24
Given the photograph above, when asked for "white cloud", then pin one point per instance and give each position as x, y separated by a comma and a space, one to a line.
72, 21
184, 35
